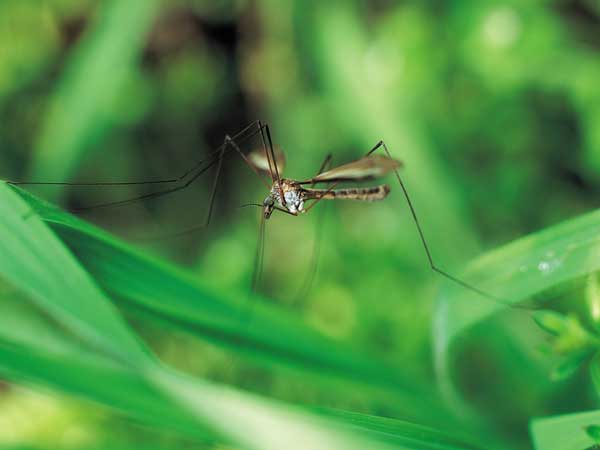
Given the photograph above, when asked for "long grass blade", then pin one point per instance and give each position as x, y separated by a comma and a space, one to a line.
139, 386
531, 269
167, 294
33, 259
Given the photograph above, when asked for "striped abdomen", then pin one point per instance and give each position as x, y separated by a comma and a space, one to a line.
368, 194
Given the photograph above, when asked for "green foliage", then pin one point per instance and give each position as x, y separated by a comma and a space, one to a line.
571, 431
97, 356
593, 431
492, 107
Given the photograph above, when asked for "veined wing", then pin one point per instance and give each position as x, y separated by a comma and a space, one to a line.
258, 158
367, 168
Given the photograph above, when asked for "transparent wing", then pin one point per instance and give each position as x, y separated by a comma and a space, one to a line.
367, 168
258, 158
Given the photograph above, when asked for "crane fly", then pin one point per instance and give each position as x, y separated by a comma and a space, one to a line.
290, 196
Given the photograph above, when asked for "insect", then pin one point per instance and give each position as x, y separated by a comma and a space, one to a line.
289, 196
296, 197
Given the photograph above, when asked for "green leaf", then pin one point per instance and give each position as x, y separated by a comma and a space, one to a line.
46, 356
525, 267
565, 432
569, 366
402, 432
595, 371
593, 431
274, 425
551, 321
96, 379
592, 296
515, 272
150, 392
160, 290
228, 411
39, 265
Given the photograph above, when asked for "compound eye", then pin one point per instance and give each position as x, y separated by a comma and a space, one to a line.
268, 210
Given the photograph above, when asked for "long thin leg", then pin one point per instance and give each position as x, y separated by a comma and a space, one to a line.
184, 180
275, 177
228, 141
432, 264
238, 136
213, 193
272, 161
268, 155
246, 313
259, 256
326, 165
147, 196
247, 161
314, 260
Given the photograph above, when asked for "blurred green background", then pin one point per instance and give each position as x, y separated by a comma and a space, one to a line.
493, 107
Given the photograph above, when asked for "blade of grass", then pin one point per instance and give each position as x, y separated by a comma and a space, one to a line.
405, 433
84, 105
249, 420
97, 379
270, 337
36, 262
36, 350
564, 432
230, 412
45, 356
523, 269
129, 393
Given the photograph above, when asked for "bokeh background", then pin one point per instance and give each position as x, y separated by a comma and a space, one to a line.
493, 108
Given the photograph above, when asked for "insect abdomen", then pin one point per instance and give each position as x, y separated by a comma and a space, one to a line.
368, 194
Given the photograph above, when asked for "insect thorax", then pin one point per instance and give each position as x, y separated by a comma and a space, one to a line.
293, 195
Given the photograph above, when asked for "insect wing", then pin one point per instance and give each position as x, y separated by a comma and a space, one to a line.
367, 168
258, 158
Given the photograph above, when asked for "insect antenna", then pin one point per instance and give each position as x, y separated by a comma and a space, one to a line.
432, 264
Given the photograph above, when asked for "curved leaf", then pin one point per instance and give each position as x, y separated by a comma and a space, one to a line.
139, 386
565, 432
35, 261
158, 289
516, 272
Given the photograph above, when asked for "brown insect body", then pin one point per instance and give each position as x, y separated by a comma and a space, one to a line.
368, 194
294, 195
288, 195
